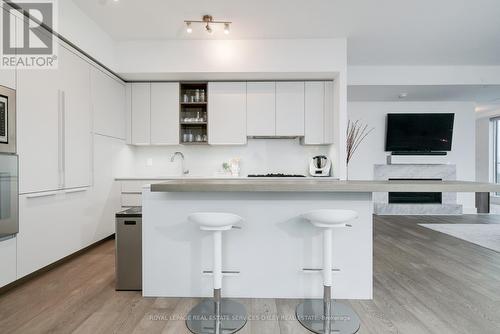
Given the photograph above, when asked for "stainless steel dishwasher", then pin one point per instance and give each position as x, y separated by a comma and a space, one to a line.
129, 249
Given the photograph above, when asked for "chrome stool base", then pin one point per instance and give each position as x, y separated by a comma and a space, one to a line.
311, 315
202, 319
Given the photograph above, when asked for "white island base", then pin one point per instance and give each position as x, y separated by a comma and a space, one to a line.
269, 252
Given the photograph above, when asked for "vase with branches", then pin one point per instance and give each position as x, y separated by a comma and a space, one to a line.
356, 134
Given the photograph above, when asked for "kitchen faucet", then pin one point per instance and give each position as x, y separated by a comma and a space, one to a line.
184, 171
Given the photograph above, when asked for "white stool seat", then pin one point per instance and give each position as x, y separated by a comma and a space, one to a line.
330, 218
215, 221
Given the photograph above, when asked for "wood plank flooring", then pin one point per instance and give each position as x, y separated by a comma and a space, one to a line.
424, 282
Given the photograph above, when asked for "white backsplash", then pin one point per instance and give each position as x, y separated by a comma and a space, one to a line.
258, 156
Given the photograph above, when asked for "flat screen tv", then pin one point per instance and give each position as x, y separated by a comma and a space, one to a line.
430, 132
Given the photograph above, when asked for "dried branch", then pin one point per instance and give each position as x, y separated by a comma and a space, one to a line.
356, 134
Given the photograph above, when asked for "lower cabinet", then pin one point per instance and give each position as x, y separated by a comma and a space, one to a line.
7, 260
52, 225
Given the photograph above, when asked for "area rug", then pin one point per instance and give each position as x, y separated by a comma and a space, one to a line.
485, 235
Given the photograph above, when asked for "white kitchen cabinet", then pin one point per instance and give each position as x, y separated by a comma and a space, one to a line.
314, 112
108, 104
7, 76
261, 108
141, 113
290, 108
76, 148
329, 109
318, 113
165, 113
53, 132
8, 251
38, 116
52, 225
227, 113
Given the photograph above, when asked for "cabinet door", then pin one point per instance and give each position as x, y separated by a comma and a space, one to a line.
75, 84
8, 76
8, 252
165, 113
314, 112
329, 119
38, 106
141, 113
227, 113
108, 104
51, 226
290, 108
261, 108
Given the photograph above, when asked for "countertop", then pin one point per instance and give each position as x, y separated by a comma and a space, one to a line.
317, 185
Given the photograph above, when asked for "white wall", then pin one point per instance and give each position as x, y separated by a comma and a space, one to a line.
243, 57
424, 75
82, 31
258, 156
484, 150
372, 151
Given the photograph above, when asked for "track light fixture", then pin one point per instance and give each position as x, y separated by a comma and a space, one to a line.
208, 21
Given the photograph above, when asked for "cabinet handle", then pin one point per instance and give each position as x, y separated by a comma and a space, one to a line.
76, 190
63, 141
45, 194
130, 222
60, 97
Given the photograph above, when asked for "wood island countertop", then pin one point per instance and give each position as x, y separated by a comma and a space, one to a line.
318, 185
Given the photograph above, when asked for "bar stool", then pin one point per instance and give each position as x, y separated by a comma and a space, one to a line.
328, 316
216, 315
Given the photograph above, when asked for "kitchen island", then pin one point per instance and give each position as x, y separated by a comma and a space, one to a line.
267, 256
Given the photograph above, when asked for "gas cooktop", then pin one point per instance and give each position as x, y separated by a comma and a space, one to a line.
275, 175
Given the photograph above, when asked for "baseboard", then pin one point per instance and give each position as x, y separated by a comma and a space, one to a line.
51, 266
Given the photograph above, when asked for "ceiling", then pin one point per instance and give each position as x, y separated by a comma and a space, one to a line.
381, 32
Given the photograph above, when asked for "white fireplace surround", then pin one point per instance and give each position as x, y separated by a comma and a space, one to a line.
444, 172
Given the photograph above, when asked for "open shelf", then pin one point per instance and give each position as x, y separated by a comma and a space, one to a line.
193, 106
193, 103
193, 123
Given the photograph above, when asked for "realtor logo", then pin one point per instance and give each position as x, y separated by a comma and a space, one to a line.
27, 41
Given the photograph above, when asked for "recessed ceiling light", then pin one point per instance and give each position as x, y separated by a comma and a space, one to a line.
403, 95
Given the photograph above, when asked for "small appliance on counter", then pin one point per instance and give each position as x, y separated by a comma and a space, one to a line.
320, 166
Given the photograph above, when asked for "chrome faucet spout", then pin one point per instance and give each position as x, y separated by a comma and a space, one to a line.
184, 171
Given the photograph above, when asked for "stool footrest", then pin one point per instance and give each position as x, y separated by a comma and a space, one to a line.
224, 273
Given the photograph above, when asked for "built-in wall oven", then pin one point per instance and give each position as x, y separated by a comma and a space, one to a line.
7, 120
9, 183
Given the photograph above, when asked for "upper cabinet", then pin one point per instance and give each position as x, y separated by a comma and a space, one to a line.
261, 109
76, 128
165, 113
54, 105
7, 76
290, 108
318, 113
227, 105
233, 111
154, 113
141, 113
108, 104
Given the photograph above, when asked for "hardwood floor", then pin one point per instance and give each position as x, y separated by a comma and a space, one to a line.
424, 282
